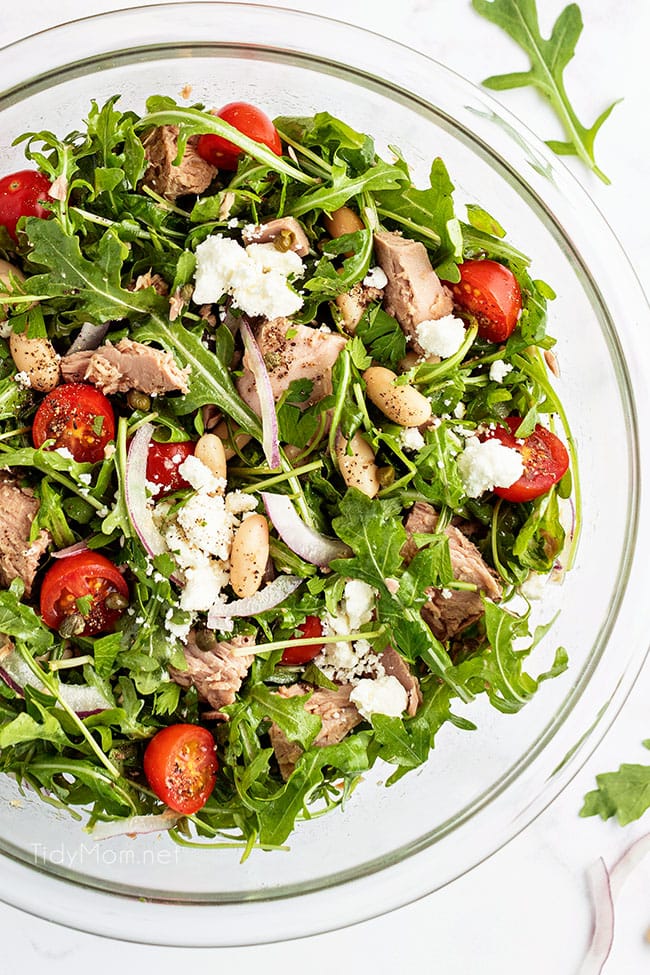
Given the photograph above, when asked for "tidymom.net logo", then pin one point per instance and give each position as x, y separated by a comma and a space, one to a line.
101, 855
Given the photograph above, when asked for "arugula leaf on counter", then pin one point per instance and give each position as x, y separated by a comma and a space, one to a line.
548, 60
624, 794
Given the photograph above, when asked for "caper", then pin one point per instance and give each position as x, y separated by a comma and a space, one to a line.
116, 601
284, 241
72, 625
138, 401
386, 476
205, 639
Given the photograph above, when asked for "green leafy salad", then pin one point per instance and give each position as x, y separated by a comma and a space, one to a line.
281, 463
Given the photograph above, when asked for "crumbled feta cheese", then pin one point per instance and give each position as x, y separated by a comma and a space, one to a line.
383, 695
203, 584
499, 370
533, 587
459, 410
238, 503
441, 336
5, 329
109, 451
255, 276
207, 524
358, 603
347, 662
23, 379
63, 452
375, 278
486, 464
200, 476
180, 630
410, 438
85, 478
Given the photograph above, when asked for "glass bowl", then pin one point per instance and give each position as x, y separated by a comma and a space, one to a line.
388, 846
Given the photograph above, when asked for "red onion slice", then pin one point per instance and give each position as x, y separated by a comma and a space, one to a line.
65, 553
627, 862
603, 927
136, 494
268, 598
135, 824
309, 544
81, 698
270, 433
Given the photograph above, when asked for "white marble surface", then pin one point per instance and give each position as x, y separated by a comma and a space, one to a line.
526, 909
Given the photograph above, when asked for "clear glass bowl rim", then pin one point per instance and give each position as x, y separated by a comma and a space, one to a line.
407, 878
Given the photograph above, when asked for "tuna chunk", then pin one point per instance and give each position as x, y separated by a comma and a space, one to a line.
192, 175
127, 365
308, 354
353, 304
217, 674
448, 614
288, 227
395, 666
414, 292
338, 717
19, 557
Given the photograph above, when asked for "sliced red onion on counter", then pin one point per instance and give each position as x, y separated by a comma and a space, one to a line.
268, 598
270, 433
603, 927
65, 553
81, 698
627, 862
89, 338
309, 544
135, 824
136, 493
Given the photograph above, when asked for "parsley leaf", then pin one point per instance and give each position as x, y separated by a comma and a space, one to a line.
548, 59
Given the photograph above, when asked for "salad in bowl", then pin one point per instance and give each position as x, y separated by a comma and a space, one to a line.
282, 467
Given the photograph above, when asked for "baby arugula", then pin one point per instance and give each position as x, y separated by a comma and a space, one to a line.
548, 60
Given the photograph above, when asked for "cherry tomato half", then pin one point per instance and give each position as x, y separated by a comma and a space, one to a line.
545, 459
491, 293
86, 590
21, 195
181, 766
163, 462
250, 121
78, 417
302, 653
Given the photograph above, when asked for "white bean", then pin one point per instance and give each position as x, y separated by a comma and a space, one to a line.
249, 555
240, 439
357, 464
343, 221
404, 405
209, 450
37, 359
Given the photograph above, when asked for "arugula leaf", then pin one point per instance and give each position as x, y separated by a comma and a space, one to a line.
94, 287
26, 728
624, 794
382, 336
289, 713
341, 188
548, 60
22, 623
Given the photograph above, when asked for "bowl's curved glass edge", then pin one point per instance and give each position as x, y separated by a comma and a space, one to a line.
580, 752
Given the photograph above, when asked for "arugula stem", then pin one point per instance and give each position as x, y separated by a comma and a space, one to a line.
341, 393
280, 478
310, 641
417, 228
428, 372
52, 687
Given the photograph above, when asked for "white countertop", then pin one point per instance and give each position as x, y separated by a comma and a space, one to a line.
526, 909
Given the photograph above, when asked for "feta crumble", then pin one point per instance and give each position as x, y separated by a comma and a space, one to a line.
486, 464
348, 661
410, 438
499, 370
256, 276
375, 278
441, 336
23, 379
383, 695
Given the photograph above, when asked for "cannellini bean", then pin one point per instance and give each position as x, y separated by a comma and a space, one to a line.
409, 361
357, 464
209, 450
343, 221
401, 404
241, 439
37, 359
249, 555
